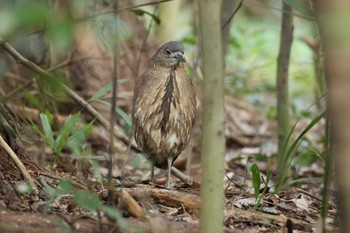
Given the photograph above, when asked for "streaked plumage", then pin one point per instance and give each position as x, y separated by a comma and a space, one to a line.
164, 107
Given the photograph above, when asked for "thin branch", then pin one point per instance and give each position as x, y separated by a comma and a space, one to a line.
144, 42
19, 164
74, 183
233, 14
113, 113
177, 173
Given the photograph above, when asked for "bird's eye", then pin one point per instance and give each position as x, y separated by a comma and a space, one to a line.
168, 52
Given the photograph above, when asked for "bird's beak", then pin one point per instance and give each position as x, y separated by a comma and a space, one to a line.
179, 56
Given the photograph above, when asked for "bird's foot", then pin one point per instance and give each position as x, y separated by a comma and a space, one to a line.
148, 181
168, 185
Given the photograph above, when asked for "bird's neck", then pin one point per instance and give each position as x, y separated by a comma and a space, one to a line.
167, 69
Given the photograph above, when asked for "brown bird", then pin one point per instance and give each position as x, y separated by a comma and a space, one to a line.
164, 107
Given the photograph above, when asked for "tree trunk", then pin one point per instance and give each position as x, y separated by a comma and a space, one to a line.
335, 33
213, 140
282, 86
166, 30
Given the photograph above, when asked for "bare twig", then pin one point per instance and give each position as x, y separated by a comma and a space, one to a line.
309, 194
184, 178
18, 163
74, 183
113, 113
144, 42
233, 14
131, 205
127, 202
235, 183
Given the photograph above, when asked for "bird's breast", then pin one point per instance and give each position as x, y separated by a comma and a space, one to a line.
163, 118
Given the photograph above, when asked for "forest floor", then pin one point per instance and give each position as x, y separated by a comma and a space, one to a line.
73, 197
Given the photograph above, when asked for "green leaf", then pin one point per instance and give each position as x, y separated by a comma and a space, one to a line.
101, 92
20, 17
66, 186
78, 139
31, 14
308, 127
47, 130
87, 200
34, 100
53, 86
65, 131
287, 151
307, 157
35, 128
256, 179
96, 170
116, 215
61, 32
105, 89
261, 193
138, 12
120, 112
301, 180
112, 212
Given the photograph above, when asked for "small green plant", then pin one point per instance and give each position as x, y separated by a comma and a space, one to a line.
72, 134
256, 179
258, 192
285, 161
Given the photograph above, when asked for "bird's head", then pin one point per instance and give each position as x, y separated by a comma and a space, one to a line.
169, 54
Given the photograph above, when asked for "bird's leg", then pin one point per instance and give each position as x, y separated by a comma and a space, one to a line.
152, 173
170, 163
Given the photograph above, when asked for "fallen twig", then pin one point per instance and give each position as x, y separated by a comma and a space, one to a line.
166, 197
184, 178
126, 200
19, 164
131, 205
79, 185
